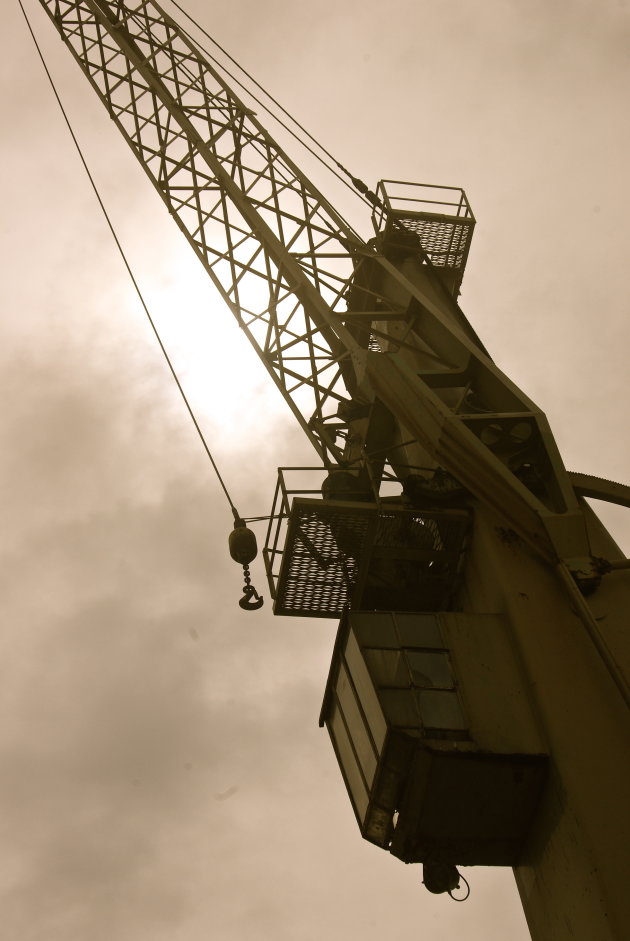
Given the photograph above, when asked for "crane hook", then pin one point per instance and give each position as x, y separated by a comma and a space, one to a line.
243, 549
249, 593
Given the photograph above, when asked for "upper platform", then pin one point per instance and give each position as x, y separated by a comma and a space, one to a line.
439, 216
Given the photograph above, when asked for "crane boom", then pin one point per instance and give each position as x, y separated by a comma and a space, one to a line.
308, 292
274, 247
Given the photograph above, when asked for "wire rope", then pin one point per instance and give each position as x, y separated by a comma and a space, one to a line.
358, 187
121, 251
358, 192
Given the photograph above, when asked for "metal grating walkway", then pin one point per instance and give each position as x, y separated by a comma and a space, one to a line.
363, 555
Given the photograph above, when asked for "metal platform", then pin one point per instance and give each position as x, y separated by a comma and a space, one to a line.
440, 216
322, 556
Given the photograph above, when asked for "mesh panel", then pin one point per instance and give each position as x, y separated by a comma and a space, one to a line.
317, 574
445, 242
338, 554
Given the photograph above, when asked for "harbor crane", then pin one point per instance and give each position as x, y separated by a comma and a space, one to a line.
477, 699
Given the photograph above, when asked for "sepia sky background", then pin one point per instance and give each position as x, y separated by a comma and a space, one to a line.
162, 772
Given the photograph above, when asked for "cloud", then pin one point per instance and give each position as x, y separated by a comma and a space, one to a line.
134, 688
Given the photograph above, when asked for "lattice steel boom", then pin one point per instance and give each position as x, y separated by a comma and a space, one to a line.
274, 247
336, 321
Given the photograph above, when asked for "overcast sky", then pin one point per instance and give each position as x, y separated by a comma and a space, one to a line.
163, 776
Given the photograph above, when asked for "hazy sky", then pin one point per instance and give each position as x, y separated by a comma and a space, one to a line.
163, 776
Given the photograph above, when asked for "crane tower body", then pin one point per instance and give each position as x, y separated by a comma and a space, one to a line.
477, 698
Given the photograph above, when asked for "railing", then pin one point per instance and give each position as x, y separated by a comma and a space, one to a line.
440, 216
305, 482
400, 197
324, 555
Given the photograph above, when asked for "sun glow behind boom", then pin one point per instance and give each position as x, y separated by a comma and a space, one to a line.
227, 385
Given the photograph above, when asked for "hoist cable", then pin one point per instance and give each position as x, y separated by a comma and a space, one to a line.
353, 189
127, 265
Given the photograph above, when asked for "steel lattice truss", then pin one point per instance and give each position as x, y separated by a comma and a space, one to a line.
278, 252
310, 295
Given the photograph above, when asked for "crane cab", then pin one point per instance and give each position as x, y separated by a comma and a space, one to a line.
430, 771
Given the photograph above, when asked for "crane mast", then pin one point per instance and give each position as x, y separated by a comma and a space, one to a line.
368, 345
